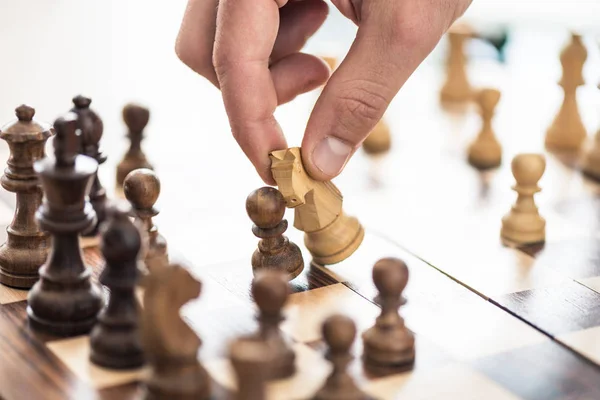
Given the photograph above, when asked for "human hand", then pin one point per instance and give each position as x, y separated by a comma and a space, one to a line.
250, 49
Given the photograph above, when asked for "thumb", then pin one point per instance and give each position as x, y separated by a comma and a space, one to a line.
388, 47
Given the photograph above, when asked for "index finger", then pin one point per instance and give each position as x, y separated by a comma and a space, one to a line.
246, 33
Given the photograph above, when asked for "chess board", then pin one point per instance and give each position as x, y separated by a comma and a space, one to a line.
491, 322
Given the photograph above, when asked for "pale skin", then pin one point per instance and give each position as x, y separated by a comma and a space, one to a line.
251, 50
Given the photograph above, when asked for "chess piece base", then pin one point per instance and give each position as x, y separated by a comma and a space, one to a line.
336, 242
523, 229
20, 262
387, 351
289, 259
116, 348
591, 165
60, 328
63, 313
455, 95
183, 382
485, 154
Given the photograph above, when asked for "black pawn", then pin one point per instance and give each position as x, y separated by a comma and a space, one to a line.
389, 346
136, 118
115, 340
266, 208
141, 189
270, 291
91, 128
64, 301
339, 333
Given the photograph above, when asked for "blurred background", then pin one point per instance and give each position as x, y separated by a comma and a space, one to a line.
117, 51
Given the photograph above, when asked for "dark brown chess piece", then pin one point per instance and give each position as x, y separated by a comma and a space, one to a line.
142, 188
266, 208
270, 291
27, 247
115, 340
91, 128
250, 360
136, 118
65, 301
389, 346
171, 346
339, 333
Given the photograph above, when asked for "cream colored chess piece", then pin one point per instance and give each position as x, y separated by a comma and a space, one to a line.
331, 61
457, 88
567, 132
523, 224
591, 160
485, 151
379, 140
331, 236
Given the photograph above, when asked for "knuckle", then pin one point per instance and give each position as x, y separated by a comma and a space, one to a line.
195, 57
362, 105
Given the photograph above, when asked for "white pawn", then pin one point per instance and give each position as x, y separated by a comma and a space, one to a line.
485, 151
379, 140
523, 224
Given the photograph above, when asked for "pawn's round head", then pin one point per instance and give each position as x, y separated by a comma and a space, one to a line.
339, 332
25, 113
390, 276
141, 188
136, 117
265, 207
528, 168
270, 291
81, 102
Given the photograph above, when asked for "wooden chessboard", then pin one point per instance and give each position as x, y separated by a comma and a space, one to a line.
491, 322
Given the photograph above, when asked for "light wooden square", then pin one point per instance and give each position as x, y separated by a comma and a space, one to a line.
10, 295
592, 283
306, 311
470, 331
75, 353
312, 370
585, 342
454, 381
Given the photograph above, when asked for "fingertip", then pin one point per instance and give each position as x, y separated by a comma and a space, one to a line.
327, 158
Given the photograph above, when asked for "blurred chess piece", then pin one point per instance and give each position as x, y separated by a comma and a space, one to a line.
591, 159
92, 128
567, 132
339, 332
171, 347
136, 118
457, 88
250, 360
389, 346
485, 152
379, 140
270, 291
27, 246
524, 225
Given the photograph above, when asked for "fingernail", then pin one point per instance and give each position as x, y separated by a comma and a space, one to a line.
330, 155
